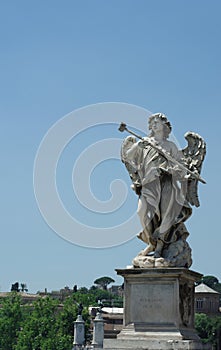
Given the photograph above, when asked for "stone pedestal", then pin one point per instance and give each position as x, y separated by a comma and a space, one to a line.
79, 337
98, 332
158, 310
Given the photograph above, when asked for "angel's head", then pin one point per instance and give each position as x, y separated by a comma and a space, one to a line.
159, 122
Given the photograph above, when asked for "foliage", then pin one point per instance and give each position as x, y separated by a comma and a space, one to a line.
47, 328
83, 290
42, 329
67, 316
212, 282
208, 327
10, 321
46, 325
103, 282
101, 294
15, 287
84, 297
70, 310
24, 287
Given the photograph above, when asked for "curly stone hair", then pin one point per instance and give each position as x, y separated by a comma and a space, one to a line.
164, 120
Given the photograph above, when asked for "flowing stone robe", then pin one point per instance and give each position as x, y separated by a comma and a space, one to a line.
162, 206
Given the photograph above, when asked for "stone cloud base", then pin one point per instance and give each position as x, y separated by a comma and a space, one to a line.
158, 310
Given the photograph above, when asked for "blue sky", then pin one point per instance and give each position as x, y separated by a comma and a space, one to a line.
56, 57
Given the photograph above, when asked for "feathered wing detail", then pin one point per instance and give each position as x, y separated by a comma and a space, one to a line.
193, 156
131, 168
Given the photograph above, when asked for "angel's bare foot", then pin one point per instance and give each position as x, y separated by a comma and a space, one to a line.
139, 235
157, 254
143, 237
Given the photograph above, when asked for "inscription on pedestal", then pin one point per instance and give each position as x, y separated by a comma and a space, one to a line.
154, 303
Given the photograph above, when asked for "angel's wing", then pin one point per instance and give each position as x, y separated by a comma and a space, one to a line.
131, 168
193, 156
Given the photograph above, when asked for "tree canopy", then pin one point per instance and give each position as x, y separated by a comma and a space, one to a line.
208, 328
104, 281
46, 324
15, 287
10, 321
212, 282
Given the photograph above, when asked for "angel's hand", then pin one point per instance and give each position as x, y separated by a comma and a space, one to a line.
130, 139
176, 168
143, 143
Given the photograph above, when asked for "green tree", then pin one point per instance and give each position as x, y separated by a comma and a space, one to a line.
41, 329
106, 297
208, 328
69, 314
44, 326
24, 287
100, 294
210, 281
10, 321
83, 290
203, 325
67, 317
15, 287
103, 282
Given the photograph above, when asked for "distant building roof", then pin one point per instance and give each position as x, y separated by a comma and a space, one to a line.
113, 310
108, 310
203, 288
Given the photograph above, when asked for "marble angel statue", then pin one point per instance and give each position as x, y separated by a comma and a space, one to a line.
165, 180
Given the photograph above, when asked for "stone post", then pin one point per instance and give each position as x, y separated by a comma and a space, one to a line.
79, 337
98, 332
